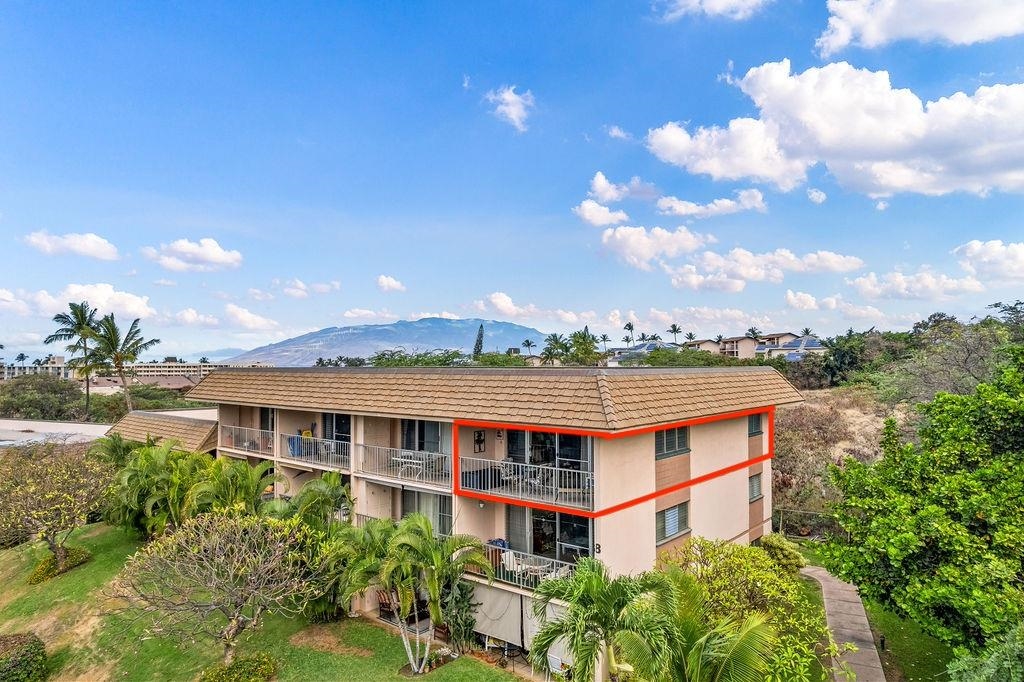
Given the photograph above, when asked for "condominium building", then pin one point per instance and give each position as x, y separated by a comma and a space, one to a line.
738, 347
53, 365
545, 465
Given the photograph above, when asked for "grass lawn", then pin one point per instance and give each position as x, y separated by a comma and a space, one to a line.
910, 654
87, 644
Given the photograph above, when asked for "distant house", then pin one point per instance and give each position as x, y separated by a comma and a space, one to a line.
637, 352
739, 347
778, 338
706, 345
792, 350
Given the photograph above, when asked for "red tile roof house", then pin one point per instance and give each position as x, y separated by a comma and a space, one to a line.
546, 465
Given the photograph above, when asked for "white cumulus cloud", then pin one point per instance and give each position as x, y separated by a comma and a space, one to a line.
87, 244
511, 107
367, 314
389, 283
247, 319
596, 214
729, 9
260, 295
618, 133
296, 288
873, 23
638, 246
816, 195
326, 287
993, 260
11, 302
746, 200
192, 318
801, 300
923, 285
608, 192
102, 296
182, 255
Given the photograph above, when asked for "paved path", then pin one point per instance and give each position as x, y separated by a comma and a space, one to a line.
848, 623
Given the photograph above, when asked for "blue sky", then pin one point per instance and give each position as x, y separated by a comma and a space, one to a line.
239, 174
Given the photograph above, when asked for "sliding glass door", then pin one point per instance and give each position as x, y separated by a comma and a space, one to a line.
566, 451
549, 534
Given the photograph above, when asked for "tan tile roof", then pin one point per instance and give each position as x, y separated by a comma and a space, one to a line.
604, 399
194, 435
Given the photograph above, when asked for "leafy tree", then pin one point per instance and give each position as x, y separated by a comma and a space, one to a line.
48, 490
478, 345
529, 346
753, 333
112, 350
675, 330
110, 408
114, 450
935, 531
400, 358
1002, 661
500, 360
218, 576
1012, 316
581, 349
555, 348
77, 325
736, 582
39, 396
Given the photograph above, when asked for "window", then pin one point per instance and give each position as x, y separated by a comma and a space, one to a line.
671, 442
437, 508
754, 486
267, 418
672, 522
754, 424
418, 434
337, 427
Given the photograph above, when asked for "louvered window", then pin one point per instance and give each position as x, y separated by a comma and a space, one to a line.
672, 521
670, 442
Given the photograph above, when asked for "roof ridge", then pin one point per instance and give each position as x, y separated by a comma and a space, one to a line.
606, 400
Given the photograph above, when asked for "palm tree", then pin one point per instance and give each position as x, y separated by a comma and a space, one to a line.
628, 340
204, 360
418, 562
719, 338
236, 484
113, 351
753, 333
604, 339
529, 346
654, 337
76, 325
324, 500
629, 328
674, 330
555, 347
605, 617
707, 651
21, 357
806, 331
690, 336
643, 337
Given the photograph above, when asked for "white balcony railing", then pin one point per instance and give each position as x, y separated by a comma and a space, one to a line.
248, 440
318, 452
407, 465
523, 569
533, 482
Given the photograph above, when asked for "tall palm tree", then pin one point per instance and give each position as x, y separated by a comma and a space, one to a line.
707, 651
419, 563
21, 357
753, 333
674, 329
690, 336
605, 617
643, 337
529, 346
113, 351
604, 339
806, 331
629, 328
77, 325
628, 340
719, 338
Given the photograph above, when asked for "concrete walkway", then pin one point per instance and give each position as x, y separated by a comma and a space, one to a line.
844, 612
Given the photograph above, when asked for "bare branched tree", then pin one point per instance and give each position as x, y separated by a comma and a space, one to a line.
217, 576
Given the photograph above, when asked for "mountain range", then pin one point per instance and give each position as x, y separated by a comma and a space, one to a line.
364, 340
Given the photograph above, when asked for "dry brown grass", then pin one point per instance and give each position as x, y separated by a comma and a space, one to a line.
327, 638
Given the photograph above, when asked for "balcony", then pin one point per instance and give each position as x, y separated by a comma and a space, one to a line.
322, 453
522, 569
257, 441
414, 466
562, 486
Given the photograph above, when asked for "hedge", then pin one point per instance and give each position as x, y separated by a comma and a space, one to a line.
22, 658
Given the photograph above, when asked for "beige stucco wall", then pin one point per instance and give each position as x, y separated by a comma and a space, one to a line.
377, 431
627, 538
485, 523
719, 507
623, 469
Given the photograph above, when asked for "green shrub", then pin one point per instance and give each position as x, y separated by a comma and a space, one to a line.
1001, 662
47, 567
22, 658
783, 553
255, 668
